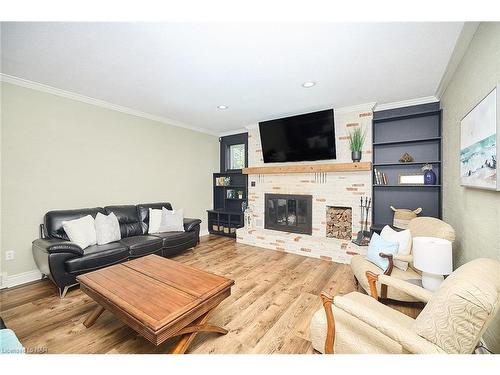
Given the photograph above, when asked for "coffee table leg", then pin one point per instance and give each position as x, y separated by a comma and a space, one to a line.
92, 317
189, 333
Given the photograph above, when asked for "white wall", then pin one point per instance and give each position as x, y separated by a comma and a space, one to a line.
58, 153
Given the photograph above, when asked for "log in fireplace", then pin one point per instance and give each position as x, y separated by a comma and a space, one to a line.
288, 213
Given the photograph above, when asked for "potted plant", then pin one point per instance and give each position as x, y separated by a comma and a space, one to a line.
356, 141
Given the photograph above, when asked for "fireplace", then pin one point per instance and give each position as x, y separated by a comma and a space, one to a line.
288, 213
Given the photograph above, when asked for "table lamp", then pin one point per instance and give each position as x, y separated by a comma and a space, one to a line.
432, 256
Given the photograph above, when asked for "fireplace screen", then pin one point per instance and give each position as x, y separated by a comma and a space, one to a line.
289, 213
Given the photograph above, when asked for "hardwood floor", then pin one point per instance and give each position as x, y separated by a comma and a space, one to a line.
272, 302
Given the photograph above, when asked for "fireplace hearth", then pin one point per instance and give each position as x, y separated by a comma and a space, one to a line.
288, 213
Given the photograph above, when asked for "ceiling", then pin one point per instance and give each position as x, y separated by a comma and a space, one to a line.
183, 71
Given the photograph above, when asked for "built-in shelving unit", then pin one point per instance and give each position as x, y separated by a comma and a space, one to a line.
417, 131
227, 214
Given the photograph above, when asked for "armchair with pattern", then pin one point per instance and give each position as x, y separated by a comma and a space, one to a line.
453, 320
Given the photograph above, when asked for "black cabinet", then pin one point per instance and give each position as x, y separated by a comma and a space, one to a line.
230, 197
415, 130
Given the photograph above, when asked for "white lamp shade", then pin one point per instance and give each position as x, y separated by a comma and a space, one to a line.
432, 255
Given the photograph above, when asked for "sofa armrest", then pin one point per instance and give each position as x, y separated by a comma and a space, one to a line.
374, 317
55, 246
190, 224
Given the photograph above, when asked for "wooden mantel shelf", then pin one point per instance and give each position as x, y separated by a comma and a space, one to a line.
311, 168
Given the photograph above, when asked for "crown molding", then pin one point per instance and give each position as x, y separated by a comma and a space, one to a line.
365, 107
406, 103
97, 102
458, 53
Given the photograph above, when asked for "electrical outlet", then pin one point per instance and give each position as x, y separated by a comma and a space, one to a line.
9, 255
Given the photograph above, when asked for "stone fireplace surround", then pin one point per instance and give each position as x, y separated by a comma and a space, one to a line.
335, 189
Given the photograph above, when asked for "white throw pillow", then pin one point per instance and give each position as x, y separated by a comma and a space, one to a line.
154, 220
107, 228
81, 231
171, 220
403, 238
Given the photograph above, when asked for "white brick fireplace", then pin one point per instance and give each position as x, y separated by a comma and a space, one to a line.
336, 189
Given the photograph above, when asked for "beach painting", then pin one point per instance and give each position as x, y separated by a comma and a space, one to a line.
478, 145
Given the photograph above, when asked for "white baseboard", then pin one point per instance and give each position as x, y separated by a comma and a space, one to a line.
204, 233
21, 278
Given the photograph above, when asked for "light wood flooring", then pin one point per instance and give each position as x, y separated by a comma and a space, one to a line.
272, 302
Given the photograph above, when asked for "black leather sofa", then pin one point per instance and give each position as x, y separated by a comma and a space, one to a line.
62, 260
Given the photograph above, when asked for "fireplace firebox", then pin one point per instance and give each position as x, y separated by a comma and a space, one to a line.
288, 213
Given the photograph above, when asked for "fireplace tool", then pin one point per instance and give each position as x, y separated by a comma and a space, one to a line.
363, 237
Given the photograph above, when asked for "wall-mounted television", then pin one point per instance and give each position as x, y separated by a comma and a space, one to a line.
305, 137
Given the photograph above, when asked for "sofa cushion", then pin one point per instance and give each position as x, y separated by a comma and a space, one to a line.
143, 212
107, 228
53, 220
171, 220
142, 245
98, 256
175, 238
81, 231
128, 218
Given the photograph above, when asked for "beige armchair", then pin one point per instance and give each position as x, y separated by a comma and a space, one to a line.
453, 320
420, 226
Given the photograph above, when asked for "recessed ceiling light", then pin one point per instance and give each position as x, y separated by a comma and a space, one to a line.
222, 107
308, 84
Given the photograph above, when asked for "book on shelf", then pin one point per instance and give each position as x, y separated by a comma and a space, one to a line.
380, 177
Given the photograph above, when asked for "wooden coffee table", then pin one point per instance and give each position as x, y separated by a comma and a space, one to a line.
157, 297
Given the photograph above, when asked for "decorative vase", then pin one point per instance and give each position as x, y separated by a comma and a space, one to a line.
356, 156
430, 177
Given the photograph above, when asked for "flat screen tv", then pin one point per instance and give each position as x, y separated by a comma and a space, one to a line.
306, 137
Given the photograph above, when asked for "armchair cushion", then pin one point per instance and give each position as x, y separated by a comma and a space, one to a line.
360, 265
364, 325
403, 238
462, 308
389, 322
431, 227
378, 245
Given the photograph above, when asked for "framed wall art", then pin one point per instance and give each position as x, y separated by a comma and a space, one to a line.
411, 179
479, 145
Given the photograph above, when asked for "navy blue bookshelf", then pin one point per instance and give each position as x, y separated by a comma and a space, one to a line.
417, 131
